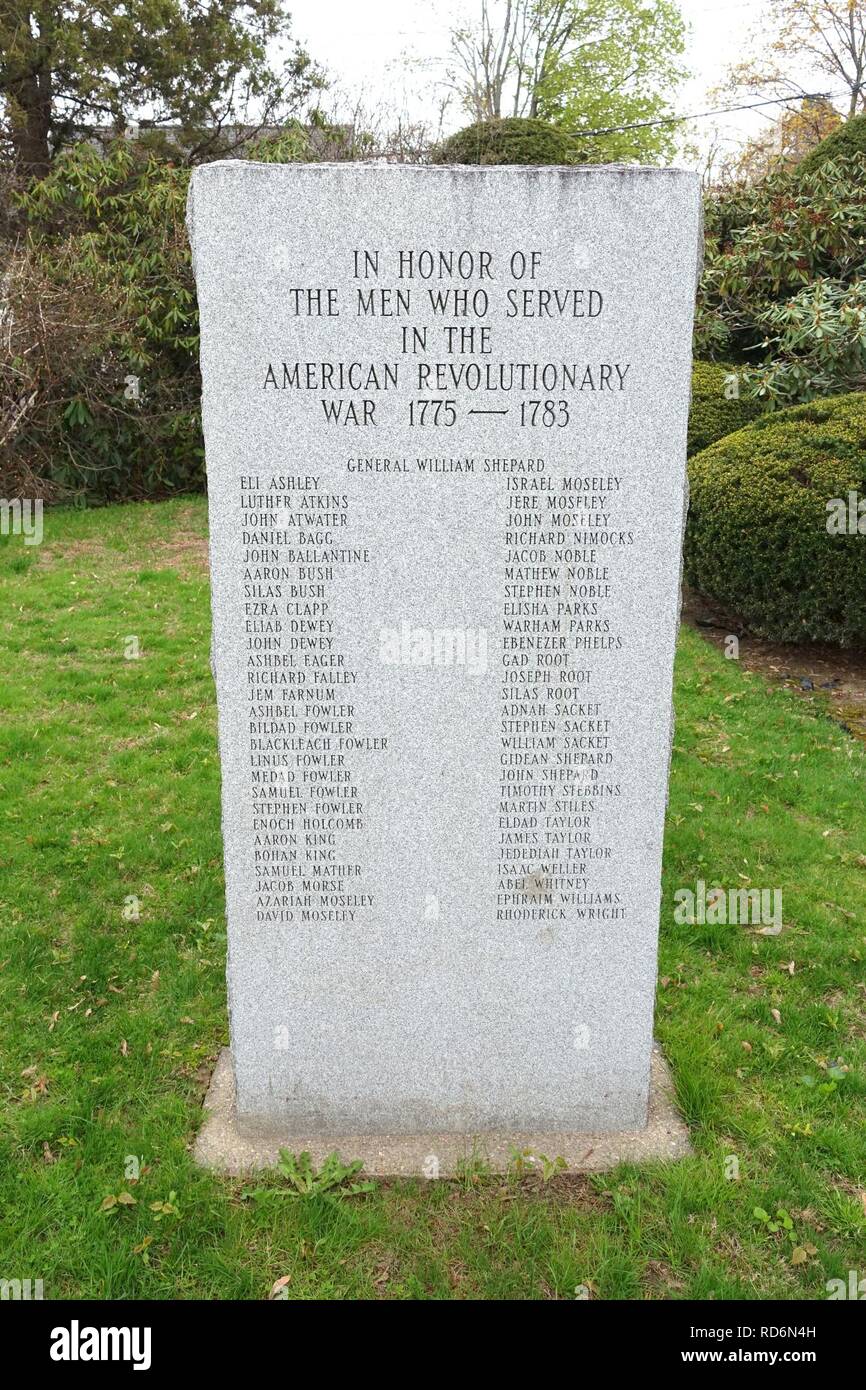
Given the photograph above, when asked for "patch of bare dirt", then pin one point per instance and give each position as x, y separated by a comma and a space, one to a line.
69, 551
836, 673
186, 551
180, 548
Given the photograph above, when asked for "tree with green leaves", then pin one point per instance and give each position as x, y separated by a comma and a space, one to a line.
584, 65
203, 65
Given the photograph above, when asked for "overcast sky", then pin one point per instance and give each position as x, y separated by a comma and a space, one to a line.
365, 45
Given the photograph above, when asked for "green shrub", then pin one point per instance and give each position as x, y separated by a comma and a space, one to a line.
99, 375
784, 284
118, 415
847, 139
713, 412
512, 140
756, 536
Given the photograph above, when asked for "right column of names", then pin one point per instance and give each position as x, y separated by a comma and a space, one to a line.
557, 738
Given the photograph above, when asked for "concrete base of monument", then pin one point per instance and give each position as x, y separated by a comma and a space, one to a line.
220, 1146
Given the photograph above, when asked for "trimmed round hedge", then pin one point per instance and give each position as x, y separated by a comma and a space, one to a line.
712, 415
849, 138
756, 536
512, 140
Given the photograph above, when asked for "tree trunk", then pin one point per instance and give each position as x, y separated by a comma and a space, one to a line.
29, 93
31, 124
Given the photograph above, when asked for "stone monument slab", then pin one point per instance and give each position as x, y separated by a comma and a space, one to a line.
445, 423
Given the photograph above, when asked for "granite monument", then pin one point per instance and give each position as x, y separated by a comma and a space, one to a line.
445, 423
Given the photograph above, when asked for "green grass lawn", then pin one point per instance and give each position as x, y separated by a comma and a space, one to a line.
110, 794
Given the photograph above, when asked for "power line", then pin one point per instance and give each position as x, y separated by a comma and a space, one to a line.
700, 115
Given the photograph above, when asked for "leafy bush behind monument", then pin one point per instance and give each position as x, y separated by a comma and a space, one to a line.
510, 140
757, 537
101, 386
717, 406
783, 293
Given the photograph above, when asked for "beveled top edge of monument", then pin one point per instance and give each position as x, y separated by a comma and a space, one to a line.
472, 170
